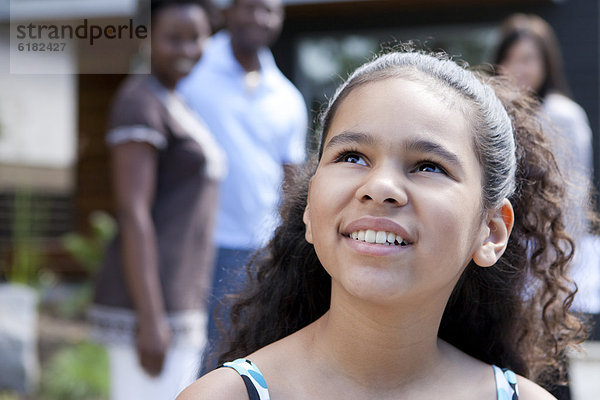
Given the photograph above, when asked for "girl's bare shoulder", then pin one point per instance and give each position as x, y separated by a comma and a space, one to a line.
220, 384
531, 391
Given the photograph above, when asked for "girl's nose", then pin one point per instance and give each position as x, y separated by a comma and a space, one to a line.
383, 186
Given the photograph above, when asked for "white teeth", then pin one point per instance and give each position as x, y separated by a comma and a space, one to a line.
379, 237
391, 237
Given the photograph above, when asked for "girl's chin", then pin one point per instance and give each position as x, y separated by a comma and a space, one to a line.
377, 286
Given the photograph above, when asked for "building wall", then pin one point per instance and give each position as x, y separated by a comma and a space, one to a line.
53, 162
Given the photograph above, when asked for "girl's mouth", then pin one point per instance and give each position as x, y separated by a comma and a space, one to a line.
378, 237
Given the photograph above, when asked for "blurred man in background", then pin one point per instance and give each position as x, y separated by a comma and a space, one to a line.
260, 119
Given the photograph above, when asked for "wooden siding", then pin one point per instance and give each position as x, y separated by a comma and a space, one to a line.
93, 184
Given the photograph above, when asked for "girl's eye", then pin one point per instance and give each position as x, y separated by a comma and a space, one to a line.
428, 166
353, 158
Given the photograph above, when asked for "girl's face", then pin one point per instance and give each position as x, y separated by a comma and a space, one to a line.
394, 208
178, 36
525, 62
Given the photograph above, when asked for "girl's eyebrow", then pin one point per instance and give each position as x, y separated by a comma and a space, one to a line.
351, 138
429, 147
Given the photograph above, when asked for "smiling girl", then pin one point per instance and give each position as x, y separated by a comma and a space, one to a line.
400, 270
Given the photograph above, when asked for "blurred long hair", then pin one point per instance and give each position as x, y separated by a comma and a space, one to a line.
529, 26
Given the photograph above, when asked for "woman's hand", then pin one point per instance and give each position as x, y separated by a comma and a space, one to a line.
153, 339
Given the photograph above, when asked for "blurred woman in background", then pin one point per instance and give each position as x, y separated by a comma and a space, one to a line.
529, 52
149, 306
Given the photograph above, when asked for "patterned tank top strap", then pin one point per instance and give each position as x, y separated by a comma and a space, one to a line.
506, 384
252, 377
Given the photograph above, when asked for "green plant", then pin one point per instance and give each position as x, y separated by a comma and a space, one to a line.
8, 396
78, 372
28, 220
89, 249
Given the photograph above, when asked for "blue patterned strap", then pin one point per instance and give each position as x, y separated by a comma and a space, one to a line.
506, 380
506, 384
252, 377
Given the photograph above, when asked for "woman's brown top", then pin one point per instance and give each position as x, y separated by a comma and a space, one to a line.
190, 163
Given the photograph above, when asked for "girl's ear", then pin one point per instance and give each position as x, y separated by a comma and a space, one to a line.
499, 225
306, 217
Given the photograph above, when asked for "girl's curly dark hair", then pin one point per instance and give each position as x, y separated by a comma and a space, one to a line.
514, 314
